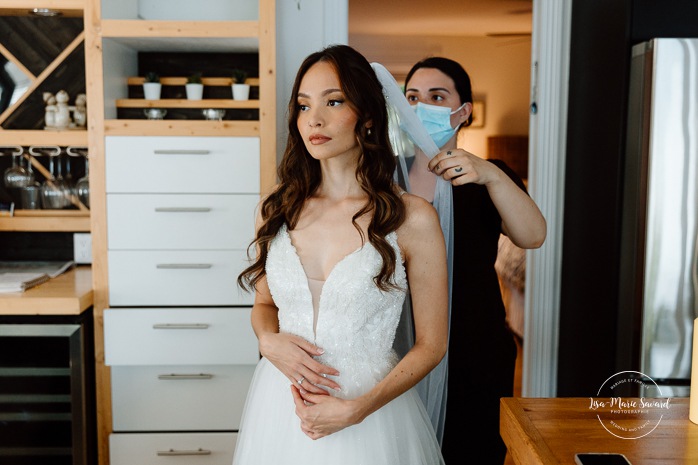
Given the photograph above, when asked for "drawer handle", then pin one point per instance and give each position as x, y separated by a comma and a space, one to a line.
183, 209
183, 266
172, 452
182, 152
180, 326
186, 376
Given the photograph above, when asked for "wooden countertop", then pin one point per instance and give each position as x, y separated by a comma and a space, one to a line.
67, 294
549, 431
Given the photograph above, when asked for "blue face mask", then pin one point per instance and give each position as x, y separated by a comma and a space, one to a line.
437, 121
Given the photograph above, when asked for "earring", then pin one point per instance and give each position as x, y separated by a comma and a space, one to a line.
368, 132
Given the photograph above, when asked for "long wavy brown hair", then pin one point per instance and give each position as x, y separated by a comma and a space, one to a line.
299, 173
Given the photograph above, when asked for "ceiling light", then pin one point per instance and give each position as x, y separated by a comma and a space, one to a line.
45, 12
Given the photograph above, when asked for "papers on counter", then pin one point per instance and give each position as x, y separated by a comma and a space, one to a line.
18, 276
20, 282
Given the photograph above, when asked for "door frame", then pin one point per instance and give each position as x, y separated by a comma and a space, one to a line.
550, 47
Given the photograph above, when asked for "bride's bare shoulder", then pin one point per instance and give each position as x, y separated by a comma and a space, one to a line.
421, 216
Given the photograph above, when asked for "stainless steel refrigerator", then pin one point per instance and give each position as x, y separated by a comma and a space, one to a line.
658, 271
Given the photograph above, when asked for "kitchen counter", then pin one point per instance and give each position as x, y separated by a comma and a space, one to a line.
68, 294
549, 431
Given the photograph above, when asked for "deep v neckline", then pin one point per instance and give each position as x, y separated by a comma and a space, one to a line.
306, 284
287, 234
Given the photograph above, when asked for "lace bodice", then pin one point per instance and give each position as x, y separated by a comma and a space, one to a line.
356, 321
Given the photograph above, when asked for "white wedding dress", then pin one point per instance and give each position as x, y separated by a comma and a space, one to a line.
355, 324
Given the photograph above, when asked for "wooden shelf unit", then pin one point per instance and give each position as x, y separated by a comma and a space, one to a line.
138, 28
46, 221
180, 81
142, 35
47, 137
139, 127
36, 81
42, 220
184, 103
21, 7
111, 48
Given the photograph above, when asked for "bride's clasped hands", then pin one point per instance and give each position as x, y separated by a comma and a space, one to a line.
293, 356
320, 414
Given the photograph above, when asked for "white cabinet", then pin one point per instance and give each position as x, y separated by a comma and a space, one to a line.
179, 397
179, 336
176, 277
181, 221
214, 10
179, 369
172, 448
173, 210
182, 164
180, 217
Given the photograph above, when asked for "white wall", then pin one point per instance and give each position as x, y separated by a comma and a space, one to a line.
499, 69
302, 27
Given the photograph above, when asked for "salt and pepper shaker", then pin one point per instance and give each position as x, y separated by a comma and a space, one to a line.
50, 114
62, 111
58, 113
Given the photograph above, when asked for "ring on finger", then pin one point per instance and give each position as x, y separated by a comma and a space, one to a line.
459, 169
300, 381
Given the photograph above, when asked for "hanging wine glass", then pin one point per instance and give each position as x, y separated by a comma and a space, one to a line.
82, 185
52, 195
60, 181
10, 173
32, 176
18, 176
68, 178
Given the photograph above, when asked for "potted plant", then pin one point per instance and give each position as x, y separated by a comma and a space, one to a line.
241, 90
194, 87
152, 86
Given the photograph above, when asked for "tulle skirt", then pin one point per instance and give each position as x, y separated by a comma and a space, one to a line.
400, 433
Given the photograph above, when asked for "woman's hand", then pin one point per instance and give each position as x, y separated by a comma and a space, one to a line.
323, 415
522, 220
293, 356
290, 354
460, 167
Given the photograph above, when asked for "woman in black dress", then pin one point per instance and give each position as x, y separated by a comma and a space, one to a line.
488, 199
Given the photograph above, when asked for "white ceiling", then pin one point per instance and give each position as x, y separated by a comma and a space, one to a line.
440, 17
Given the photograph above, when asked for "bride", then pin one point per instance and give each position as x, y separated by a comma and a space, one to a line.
338, 247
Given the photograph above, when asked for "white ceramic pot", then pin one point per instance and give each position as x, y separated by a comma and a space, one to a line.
241, 91
194, 90
151, 90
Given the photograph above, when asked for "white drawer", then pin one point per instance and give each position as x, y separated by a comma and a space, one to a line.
172, 449
177, 277
179, 336
179, 398
178, 221
182, 164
